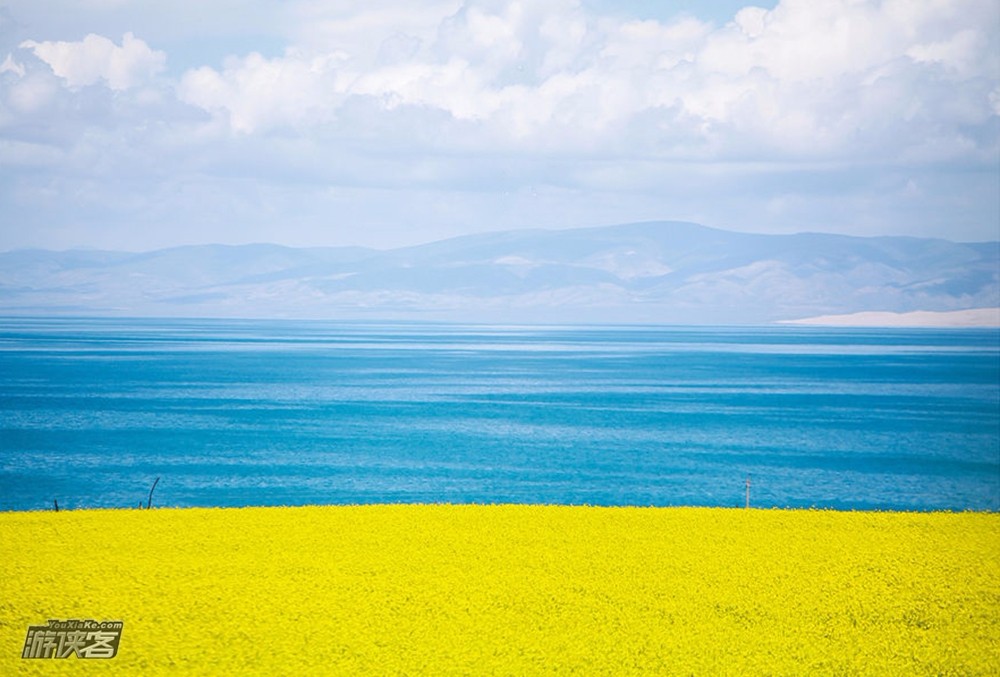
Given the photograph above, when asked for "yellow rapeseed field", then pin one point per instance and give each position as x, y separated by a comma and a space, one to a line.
509, 590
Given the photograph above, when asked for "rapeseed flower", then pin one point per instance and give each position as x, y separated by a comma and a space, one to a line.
509, 590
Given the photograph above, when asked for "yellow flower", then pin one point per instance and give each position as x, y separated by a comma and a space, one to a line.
509, 590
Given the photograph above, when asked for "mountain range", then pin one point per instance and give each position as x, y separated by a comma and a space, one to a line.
656, 272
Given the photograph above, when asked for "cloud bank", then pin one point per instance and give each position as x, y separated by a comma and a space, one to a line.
850, 115
96, 58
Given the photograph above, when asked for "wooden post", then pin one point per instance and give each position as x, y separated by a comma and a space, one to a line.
57, 504
748, 491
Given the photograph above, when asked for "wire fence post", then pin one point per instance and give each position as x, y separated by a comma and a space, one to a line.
748, 491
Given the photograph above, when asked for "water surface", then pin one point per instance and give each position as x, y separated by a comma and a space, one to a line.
288, 413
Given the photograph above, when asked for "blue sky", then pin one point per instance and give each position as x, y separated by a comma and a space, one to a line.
139, 124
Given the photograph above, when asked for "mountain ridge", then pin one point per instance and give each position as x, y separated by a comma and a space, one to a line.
659, 272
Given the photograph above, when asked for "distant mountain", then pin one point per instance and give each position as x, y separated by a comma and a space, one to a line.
662, 272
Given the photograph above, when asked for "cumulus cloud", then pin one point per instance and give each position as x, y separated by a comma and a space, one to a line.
490, 110
828, 79
833, 80
255, 93
96, 58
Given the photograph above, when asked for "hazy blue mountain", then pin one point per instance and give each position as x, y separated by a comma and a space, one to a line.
663, 272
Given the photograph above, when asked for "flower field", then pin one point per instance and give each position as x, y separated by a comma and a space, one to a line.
509, 590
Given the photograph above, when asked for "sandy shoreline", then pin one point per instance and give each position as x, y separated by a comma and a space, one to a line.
978, 317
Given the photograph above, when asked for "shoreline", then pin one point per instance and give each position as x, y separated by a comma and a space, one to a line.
974, 318
738, 508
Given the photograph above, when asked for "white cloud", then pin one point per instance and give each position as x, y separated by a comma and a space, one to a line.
399, 112
816, 79
358, 27
96, 58
31, 94
959, 52
254, 93
11, 66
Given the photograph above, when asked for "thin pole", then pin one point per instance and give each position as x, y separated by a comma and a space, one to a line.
150, 501
748, 491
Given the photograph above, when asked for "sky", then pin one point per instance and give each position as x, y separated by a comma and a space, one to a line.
142, 124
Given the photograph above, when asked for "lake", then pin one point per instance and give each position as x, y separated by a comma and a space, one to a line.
234, 413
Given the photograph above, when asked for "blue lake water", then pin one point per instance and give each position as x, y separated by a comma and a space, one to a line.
288, 413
